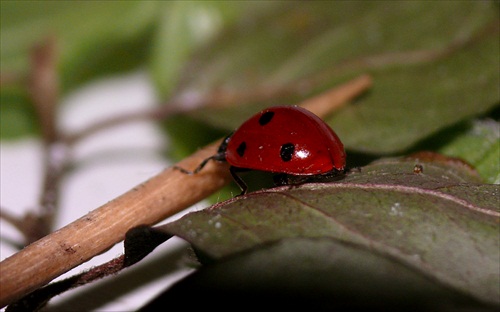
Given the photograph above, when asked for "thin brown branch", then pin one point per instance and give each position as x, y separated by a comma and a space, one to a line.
44, 87
13, 220
161, 196
217, 98
39, 298
44, 90
139, 242
30, 225
156, 113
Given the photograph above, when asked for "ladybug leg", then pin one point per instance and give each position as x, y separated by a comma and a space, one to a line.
281, 179
217, 157
288, 179
296, 180
220, 156
243, 186
331, 176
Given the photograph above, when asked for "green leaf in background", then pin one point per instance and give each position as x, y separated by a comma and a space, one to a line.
480, 145
413, 103
184, 26
99, 38
94, 38
17, 115
437, 220
434, 64
91, 35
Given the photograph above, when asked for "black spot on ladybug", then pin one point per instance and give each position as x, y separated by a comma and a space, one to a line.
266, 118
286, 151
241, 149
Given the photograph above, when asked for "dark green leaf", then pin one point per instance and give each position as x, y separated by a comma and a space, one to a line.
434, 64
312, 275
140, 241
437, 220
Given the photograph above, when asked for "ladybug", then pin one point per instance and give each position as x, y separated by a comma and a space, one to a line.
289, 141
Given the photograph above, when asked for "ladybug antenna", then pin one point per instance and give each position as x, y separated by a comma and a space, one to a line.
219, 156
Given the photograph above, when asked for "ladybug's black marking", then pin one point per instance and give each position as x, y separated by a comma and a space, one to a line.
266, 118
241, 149
286, 151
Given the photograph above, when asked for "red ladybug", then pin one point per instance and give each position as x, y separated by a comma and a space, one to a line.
287, 140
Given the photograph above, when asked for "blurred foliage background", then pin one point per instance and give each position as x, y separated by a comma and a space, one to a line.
435, 66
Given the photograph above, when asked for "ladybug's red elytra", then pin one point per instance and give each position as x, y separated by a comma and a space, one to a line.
289, 141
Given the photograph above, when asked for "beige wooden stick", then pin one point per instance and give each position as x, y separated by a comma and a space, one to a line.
161, 196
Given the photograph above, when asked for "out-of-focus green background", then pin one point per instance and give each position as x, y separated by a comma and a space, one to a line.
435, 65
